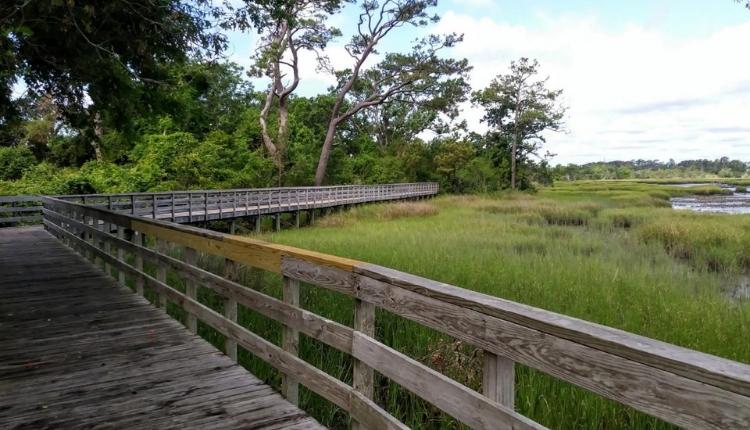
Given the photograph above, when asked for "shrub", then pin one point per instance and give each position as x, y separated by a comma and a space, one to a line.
15, 161
622, 218
407, 209
565, 216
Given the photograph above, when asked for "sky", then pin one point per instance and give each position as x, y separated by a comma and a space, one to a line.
642, 79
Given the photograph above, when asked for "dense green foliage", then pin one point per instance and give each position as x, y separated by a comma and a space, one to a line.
688, 169
142, 106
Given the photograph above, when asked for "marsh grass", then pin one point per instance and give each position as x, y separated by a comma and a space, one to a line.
610, 253
604, 252
387, 211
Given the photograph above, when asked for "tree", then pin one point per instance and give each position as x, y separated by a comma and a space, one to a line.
521, 108
415, 76
287, 27
90, 57
451, 158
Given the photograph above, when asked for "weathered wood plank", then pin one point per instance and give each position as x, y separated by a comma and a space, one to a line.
191, 287
290, 340
370, 415
458, 401
315, 379
723, 373
331, 278
77, 363
230, 307
676, 399
498, 379
18, 219
317, 327
363, 378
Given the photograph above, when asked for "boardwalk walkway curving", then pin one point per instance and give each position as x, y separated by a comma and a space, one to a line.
79, 351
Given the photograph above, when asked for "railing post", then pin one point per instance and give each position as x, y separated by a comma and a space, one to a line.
161, 272
290, 341
173, 215
363, 377
153, 203
230, 307
498, 379
191, 289
132, 204
190, 207
96, 242
138, 240
121, 254
205, 206
106, 229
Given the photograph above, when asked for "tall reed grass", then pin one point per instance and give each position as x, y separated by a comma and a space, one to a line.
611, 253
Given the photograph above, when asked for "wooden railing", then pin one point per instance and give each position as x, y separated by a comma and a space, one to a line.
20, 209
190, 206
678, 385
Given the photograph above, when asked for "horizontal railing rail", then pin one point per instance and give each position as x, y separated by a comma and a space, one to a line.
205, 205
16, 210
680, 386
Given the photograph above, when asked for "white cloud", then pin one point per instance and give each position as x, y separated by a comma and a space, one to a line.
632, 93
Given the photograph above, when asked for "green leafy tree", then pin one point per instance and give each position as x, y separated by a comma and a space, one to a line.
520, 107
15, 161
453, 156
92, 58
287, 27
414, 76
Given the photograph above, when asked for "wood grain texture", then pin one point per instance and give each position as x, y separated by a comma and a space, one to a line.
498, 379
461, 402
315, 379
706, 368
161, 270
369, 415
317, 327
230, 307
191, 287
290, 340
91, 354
332, 278
363, 377
673, 398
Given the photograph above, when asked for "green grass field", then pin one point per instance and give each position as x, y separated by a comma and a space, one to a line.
614, 253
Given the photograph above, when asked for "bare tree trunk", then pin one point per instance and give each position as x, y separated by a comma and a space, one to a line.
98, 134
267, 141
325, 152
513, 151
282, 137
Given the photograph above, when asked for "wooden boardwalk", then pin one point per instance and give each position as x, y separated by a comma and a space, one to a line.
79, 351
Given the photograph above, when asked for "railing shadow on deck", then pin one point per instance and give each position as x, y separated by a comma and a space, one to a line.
678, 385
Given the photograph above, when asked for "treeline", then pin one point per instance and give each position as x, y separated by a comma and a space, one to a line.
209, 136
640, 169
107, 107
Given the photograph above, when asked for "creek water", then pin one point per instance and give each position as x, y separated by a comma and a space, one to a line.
735, 203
